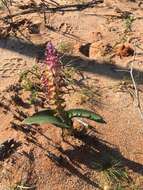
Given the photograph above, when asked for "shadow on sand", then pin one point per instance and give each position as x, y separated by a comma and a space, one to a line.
93, 151
82, 63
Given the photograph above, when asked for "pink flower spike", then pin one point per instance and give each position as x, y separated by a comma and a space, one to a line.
51, 57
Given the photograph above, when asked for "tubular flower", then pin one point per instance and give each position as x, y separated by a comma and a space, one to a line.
51, 78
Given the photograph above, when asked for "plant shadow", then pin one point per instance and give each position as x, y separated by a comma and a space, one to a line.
103, 68
12, 102
45, 7
7, 148
94, 154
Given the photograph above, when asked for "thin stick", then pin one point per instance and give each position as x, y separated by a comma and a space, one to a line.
6, 5
23, 187
122, 70
60, 8
139, 107
135, 86
82, 122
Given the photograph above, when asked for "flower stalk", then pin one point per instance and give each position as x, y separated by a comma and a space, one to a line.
51, 77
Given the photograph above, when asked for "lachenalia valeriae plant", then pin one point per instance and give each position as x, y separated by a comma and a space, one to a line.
53, 83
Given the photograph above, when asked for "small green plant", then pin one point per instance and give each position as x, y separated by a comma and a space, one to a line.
30, 81
2, 3
112, 170
119, 187
65, 47
53, 84
128, 23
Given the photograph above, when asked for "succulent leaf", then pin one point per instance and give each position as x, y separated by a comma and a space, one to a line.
84, 114
46, 116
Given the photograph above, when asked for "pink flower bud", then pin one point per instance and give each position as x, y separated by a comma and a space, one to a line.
51, 57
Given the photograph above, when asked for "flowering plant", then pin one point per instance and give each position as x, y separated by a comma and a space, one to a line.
53, 83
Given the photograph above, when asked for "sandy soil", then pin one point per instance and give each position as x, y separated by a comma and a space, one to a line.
37, 156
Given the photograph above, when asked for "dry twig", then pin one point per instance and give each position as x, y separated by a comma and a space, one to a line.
138, 104
136, 93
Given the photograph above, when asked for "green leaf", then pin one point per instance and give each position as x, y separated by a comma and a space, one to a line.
46, 116
85, 114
